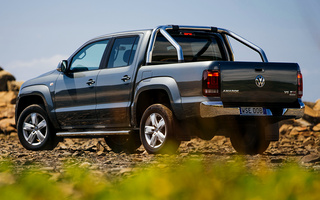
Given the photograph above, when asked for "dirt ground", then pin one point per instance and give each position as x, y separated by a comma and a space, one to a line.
302, 148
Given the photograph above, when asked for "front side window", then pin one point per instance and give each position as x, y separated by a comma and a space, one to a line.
195, 48
89, 58
123, 52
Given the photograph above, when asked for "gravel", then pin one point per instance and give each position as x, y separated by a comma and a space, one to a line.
94, 154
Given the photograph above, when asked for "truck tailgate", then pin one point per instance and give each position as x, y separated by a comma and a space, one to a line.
259, 84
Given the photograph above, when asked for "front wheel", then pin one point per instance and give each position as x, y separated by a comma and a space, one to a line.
34, 129
157, 130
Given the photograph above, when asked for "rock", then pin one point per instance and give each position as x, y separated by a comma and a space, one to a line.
7, 125
221, 142
62, 146
4, 78
285, 141
301, 151
302, 122
311, 115
308, 141
68, 142
125, 170
317, 105
316, 134
316, 128
302, 129
285, 128
7, 112
100, 147
294, 132
300, 138
311, 158
101, 153
190, 144
8, 97
316, 167
306, 133
14, 85
66, 154
89, 146
85, 165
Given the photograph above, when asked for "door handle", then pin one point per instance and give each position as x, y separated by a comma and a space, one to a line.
90, 82
125, 78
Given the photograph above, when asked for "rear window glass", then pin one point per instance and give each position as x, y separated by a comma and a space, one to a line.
195, 48
123, 52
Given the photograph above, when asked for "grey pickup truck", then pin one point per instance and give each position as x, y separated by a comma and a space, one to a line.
159, 87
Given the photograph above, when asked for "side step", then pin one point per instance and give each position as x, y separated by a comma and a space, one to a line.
91, 133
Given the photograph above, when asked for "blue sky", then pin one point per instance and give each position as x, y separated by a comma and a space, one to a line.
35, 35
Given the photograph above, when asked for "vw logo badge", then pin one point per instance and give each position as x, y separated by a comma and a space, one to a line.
260, 81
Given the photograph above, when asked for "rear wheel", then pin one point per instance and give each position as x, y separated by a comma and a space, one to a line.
123, 143
34, 129
250, 139
157, 130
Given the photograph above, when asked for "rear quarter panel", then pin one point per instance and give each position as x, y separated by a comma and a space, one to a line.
183, 83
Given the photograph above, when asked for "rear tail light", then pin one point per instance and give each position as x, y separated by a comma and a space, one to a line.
300, 85
211, 83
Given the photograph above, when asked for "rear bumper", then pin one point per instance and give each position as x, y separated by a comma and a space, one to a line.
215, 109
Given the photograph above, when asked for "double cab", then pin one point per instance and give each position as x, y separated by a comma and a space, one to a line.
159, 87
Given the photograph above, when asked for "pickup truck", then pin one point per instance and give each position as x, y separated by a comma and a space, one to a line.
159, 87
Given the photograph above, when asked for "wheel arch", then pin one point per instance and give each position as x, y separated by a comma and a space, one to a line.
39, 94
162, 90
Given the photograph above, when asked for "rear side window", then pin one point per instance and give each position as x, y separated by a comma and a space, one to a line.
123, 52
205, 48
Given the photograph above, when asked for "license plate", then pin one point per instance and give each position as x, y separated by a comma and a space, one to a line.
252, 111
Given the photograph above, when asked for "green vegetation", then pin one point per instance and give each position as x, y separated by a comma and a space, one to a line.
189, 180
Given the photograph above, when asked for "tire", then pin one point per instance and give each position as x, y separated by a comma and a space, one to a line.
250, 139
123, 143
157, 130
35, 131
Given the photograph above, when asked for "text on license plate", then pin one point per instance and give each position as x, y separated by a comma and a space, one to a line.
252, 111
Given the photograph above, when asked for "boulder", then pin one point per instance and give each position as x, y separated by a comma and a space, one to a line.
7, 111
7, 98
4, 78
317, 105
302, 123
7, 126
308, 141
285, 128
311, 158
316, 128
311, 115
14, 85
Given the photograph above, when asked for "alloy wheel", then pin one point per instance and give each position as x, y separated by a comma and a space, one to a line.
35, 129
155, 130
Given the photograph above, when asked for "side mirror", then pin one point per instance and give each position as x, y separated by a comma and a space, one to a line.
63, 66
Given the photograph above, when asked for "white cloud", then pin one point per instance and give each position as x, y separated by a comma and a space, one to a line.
27, 69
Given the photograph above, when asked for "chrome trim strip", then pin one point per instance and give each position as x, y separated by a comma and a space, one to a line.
92, 133
215, 109
163, 29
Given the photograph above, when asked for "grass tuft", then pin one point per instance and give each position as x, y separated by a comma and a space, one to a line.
192, 179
